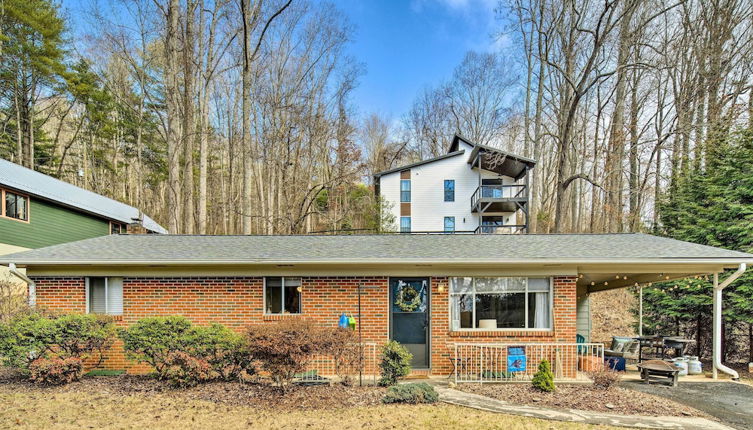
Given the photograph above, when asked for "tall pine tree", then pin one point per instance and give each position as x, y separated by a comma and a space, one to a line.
712, 206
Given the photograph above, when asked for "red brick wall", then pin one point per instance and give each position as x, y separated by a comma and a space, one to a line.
443, 340
237, 302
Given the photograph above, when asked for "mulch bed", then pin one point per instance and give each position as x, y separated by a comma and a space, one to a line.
262, 396
585, 397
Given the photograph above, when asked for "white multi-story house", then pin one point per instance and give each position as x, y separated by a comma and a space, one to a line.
473, 188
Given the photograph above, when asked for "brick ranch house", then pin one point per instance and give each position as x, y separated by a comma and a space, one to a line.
434, 293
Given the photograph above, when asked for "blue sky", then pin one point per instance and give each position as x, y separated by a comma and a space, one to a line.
407, 45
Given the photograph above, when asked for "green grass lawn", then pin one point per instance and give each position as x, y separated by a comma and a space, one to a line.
51, 409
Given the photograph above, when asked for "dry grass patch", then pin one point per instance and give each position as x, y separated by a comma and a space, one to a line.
58, 409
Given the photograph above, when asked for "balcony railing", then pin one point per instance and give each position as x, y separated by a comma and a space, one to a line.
500, 229
512, 362
491, 193
323, 368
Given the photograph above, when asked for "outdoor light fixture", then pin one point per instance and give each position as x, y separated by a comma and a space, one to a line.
300, 289
440, 288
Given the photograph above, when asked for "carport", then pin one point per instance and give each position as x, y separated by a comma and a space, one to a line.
595, 278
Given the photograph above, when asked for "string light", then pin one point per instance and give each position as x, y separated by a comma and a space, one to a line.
650, 284
666, 277
606, 283
593, 283
624, 278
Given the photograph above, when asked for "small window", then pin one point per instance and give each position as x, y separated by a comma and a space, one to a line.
104, 296
449, 190
405, 190
16, 206
282, 295
404, 224
449, 224
117, 228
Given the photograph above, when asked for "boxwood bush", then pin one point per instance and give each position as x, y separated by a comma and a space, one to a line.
415, 393
37, 344
185, 354
395, 363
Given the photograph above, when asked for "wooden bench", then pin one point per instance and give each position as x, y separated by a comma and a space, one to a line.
658, 371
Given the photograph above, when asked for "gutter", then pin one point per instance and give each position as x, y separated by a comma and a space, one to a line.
31, 284
721, 261
717, 346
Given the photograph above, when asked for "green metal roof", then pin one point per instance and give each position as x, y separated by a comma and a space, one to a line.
403, 248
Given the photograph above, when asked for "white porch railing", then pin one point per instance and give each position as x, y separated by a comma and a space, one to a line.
322, 368
511, 362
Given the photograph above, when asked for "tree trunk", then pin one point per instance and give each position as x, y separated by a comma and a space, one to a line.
173, 134
189, 117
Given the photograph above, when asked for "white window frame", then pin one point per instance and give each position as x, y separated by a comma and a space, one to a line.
282, 296
473, 300
107, 291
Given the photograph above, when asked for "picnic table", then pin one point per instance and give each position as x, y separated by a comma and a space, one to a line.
661, 345
658, 370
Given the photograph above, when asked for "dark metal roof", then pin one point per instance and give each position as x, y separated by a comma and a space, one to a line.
419, 163
454, 145
377, 249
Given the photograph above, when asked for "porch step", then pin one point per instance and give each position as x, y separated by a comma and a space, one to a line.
419, 374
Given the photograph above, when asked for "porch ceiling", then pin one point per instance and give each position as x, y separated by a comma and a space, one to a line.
595, 282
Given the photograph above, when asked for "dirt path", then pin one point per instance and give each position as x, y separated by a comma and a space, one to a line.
730, 402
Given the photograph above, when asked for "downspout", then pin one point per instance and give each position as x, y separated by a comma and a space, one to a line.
29, 282
717, 346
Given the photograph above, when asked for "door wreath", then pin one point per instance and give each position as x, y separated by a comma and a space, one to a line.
408, 299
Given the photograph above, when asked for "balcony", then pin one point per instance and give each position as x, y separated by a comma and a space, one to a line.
501, 229
499, 198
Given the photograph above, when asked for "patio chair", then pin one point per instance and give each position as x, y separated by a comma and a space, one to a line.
624, 347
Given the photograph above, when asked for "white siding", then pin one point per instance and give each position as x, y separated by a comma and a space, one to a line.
428, 207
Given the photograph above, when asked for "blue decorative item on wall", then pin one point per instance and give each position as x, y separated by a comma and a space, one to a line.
516, 358
344, 322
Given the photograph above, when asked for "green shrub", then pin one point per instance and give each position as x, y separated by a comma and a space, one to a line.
151, 340
224, 350
395, 363
183, 353
78, 335
420, 392
25, 339
543, 380
185, 370
56, 370
33, 336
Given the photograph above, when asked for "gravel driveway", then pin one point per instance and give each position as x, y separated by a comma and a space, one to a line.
730, 402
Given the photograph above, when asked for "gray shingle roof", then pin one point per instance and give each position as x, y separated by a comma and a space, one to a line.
38, 184
404, 248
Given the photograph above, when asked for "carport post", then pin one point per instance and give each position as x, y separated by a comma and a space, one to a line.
717, 304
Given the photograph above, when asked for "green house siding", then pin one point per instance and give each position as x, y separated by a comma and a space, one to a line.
51, 224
